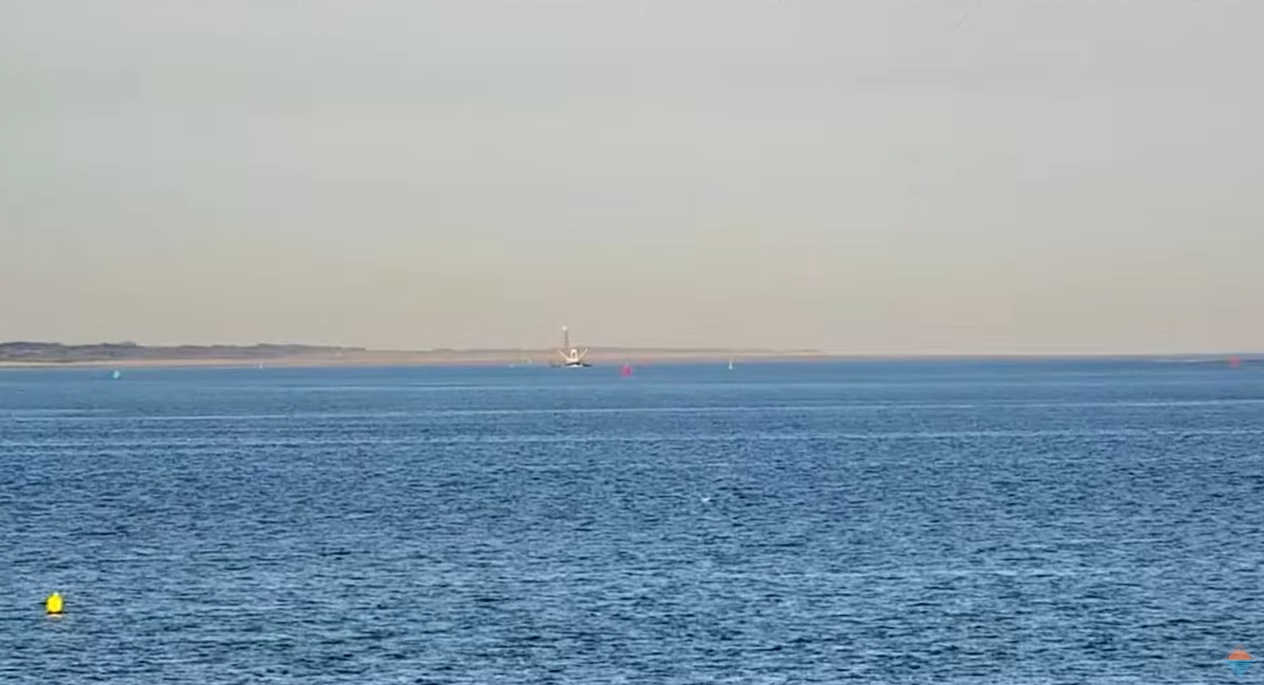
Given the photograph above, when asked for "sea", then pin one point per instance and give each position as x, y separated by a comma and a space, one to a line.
932, 521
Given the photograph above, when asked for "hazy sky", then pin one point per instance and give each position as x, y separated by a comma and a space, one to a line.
850, 175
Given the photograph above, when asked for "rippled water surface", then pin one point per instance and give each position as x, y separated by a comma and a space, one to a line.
930, 522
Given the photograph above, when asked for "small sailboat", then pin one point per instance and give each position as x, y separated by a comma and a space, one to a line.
730, 365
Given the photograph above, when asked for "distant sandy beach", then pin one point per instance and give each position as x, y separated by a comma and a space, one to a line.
424, 358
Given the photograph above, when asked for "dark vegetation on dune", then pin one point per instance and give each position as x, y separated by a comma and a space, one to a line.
42, 352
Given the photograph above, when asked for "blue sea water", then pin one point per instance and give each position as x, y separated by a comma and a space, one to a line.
869, 522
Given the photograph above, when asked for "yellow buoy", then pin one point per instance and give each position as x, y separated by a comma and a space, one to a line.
53, 604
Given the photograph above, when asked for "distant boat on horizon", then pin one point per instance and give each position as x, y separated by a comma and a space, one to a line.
572, 357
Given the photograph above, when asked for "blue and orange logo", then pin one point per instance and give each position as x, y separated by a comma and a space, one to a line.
1239, 660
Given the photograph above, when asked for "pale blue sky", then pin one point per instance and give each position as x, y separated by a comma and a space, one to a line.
850, 175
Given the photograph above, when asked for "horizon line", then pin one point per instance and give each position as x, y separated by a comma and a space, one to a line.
760, 351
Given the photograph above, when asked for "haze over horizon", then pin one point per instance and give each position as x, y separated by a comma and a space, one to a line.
869, 176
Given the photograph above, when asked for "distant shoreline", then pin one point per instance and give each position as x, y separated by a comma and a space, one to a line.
125, 355
402, 360
599, 358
